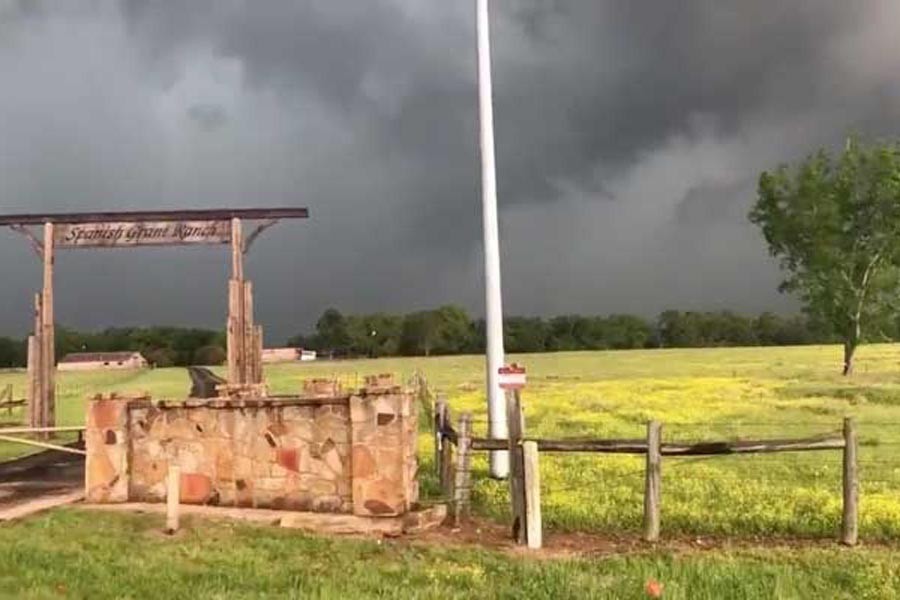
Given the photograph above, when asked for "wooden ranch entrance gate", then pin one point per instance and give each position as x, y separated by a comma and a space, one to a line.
130, 229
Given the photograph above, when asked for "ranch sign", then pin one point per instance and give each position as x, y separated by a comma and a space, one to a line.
153, 233
512, 377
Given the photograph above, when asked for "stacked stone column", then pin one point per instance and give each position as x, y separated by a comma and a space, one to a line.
383, 457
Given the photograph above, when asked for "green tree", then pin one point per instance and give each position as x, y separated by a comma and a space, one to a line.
833, 223
562, 333
11, 353
679, 330
525, 334
210, 356
160, 358
332, 331
373, 335
626, 331
446, 330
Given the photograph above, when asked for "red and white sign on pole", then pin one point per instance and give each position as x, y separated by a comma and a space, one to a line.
512, 377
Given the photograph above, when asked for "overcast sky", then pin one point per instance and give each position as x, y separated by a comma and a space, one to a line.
630, 135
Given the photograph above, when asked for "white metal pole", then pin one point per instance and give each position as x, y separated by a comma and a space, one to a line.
493, 298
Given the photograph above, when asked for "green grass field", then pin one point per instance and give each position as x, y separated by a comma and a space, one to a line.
77, 554
698, 395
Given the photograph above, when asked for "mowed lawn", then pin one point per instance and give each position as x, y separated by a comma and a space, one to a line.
707, 394
74, 553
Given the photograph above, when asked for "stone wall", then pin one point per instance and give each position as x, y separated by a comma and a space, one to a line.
323, 451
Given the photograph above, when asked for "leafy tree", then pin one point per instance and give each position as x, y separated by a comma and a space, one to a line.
833, 222
307, 342
418, 334
332, 331
627, 331
160, 358
210, 356
563, 333
442, 331
767, 327
678, 330
477, 337
454, 330
522, 334
11, 353
380, 334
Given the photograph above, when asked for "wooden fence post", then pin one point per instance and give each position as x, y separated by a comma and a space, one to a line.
516, 426
248, 332
462, 484
35, 365
9, 395
173, 499
534, 533
850, 521
652, 485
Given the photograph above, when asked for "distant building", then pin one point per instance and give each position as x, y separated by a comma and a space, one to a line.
88, 361
275, 355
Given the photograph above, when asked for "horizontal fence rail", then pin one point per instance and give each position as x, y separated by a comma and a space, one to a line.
612, 446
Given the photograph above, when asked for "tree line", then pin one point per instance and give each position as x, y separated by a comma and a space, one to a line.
450, 330
161, 346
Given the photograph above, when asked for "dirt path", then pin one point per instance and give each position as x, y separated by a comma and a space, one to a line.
44, 476
483, 533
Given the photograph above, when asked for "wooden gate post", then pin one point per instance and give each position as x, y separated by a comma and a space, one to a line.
34, 387
258, 346
237, 334
462, 481
533, 532
48, 351
850, 520
516, 426
37, 401
653, 483
247, 343
234, 332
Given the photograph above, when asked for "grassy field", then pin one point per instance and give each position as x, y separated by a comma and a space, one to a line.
697, 394
77, 554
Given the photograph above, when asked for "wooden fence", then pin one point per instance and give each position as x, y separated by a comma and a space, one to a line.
8, 401
524, 480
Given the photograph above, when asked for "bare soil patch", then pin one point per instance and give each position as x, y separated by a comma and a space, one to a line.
44, 474
486, 534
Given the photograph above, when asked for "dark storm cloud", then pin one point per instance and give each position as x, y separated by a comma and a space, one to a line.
630, 136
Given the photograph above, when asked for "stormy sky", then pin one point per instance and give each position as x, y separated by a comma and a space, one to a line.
630, 135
